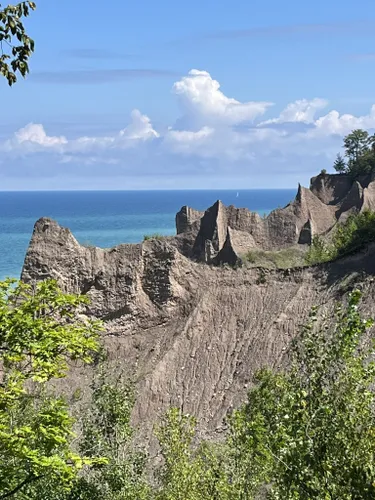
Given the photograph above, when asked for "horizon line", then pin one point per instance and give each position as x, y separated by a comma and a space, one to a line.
139, 190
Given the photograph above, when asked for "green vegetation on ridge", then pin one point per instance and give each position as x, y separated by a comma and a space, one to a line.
154, 236
352, 235
359, 151
275, 259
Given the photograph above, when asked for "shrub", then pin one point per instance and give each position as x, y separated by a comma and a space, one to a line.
189, 472
279, 259
356, 232
318, 252
155, 236
309, 432
250, 257
261, 280
104, 429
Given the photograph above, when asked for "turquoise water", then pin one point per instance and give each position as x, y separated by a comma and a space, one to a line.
107, 218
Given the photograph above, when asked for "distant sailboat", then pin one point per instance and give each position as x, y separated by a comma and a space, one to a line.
238, 194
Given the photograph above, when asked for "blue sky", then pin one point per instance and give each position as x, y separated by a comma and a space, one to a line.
176, 95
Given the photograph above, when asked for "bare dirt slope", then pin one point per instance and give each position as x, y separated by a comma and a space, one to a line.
193, 334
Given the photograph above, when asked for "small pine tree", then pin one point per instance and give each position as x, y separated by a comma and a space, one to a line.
340, 165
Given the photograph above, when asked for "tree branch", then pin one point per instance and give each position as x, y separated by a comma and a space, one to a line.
28, 480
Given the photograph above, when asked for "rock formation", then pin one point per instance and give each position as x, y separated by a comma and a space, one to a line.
194, 334
224, 234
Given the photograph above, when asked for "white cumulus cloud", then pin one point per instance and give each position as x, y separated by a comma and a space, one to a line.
201, 98
140, 128
302, 111
33, 138
334, 123
215, 133
187, 141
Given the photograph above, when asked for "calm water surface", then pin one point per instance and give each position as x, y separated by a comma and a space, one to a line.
107, 218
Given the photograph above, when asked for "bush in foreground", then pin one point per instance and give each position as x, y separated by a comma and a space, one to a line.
305, 432
310, 432
39, 334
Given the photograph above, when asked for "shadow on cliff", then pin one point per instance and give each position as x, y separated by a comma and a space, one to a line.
355, 266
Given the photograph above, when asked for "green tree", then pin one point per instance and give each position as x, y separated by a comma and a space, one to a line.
189, 473
340, 165
356, 145
319, 251
16, 45
106, 431
309, 432
40, 333
360, 153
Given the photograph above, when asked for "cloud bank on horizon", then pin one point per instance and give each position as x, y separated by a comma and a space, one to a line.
217, 141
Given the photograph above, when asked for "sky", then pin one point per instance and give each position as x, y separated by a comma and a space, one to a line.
187, 95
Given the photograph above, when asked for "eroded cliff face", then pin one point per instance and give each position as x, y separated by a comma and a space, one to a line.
224, 234
194, 334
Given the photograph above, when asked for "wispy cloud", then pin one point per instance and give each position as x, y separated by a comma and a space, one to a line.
97, 76
363, 57
97, 54
290, 30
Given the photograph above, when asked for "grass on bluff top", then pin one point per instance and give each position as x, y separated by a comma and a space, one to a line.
280, 259
155, 236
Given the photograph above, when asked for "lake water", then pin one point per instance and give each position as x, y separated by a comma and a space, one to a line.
107, 218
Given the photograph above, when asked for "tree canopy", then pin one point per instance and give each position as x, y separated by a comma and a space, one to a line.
359, 151
16, 46
40, 332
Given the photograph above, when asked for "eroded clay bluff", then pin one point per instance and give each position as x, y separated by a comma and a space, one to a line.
193, 334
224, 234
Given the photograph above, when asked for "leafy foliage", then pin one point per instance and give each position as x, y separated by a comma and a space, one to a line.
319, 251
340, 165
13, 37
310, 432
357, 231
307, 432
359, 149
39, 334
188, 473
107, 432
